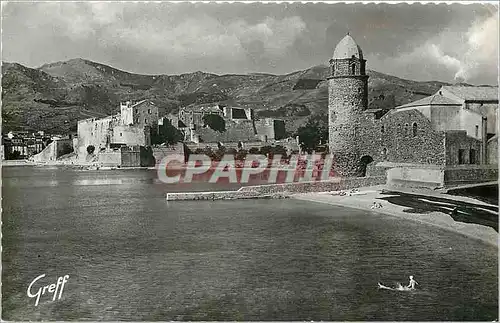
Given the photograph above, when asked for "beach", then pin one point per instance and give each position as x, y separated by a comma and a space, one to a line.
365, 197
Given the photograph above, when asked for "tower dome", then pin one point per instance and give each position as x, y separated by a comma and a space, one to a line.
347, 48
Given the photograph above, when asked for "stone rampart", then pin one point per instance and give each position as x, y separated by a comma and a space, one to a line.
54, 150
243, 130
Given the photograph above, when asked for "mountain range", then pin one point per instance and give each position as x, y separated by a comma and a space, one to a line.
55, 96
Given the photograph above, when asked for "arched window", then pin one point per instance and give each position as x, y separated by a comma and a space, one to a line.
414, 129
384, 153
406, 129
382, 129
353, 68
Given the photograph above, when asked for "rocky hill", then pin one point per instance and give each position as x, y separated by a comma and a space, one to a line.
54, 96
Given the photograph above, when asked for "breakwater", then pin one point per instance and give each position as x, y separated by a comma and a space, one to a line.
279, 190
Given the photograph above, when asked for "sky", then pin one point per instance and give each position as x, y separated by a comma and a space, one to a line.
439, 42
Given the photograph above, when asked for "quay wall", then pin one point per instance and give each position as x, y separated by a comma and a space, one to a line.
280, 190
334, 184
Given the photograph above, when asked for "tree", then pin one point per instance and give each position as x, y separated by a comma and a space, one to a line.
215, 122
13, 155
166, 133
313, 132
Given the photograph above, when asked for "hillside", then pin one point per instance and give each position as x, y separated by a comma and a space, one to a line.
54, 96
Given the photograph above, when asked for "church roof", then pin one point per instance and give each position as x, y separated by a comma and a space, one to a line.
474, 93
347, 48
435, 99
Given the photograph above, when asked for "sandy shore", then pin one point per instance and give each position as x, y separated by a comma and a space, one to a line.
366, 196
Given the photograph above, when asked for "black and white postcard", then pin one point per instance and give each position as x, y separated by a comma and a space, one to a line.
258, 161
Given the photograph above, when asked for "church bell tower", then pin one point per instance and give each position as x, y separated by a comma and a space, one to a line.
347, 100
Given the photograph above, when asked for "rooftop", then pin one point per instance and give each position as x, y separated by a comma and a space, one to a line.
474, 93
347, 48
435, 99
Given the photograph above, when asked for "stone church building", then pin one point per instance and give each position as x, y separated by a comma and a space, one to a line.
454, 128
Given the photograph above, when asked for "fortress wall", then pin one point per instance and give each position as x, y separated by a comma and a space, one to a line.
54, 150
63, 147
272, 128
161, 152
232, 144
130, 135
47, 154
94, 132
265, 128
110, 158
235, 131
131, 158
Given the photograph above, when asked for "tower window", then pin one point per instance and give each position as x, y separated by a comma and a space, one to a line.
406, 129
382, 129
477, 131
353, 69
414, 129
384, 153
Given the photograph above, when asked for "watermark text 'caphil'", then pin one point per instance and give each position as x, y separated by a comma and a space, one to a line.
173, 169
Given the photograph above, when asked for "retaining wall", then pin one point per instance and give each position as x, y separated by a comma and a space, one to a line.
470, 174
280, 190
415, 177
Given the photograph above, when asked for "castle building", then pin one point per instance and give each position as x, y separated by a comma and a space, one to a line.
240, 125
451, 135
129, 128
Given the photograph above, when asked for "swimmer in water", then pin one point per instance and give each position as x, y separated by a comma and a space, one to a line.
412, 283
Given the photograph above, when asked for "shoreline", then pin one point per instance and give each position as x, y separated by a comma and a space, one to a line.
367, 195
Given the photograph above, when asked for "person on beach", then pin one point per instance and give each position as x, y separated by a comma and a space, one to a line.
412, 283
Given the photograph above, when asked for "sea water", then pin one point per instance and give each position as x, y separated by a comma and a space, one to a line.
131, 255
